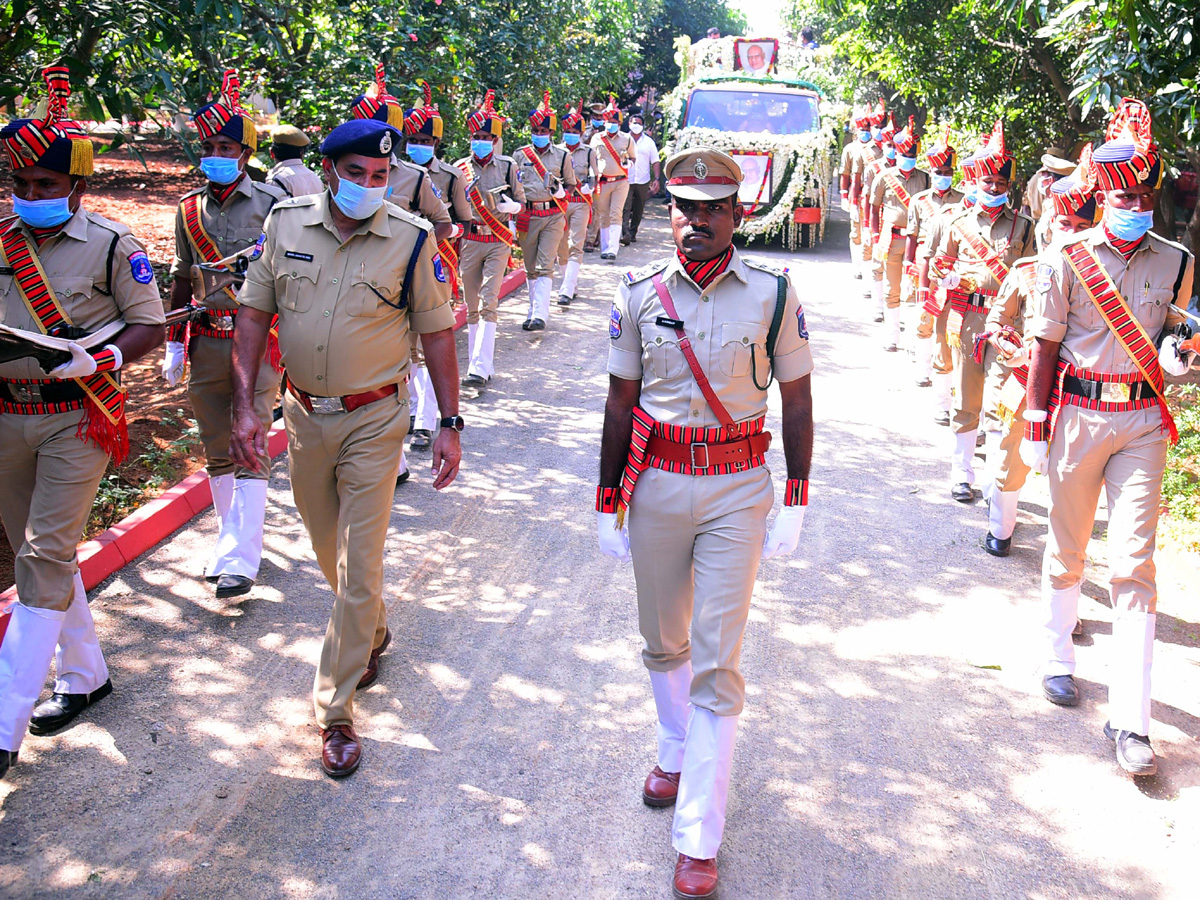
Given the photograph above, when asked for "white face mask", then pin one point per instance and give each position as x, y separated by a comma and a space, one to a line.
635, 128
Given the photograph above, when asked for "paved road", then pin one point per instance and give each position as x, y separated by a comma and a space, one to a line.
893, 743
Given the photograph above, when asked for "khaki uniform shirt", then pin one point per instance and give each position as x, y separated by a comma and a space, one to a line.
297, 179
1008, 309
558, 171
1062, 311
1035, 199
450, 185
94, 266
933, 231
866, 154
851, 157
1010, 236
893, 213
586, 163
920, 225
233, 225
727, 324
501, 171
412, 190
588, 133
611, 166
340, 330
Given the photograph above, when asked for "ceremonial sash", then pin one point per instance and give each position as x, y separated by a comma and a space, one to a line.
982, 251
928, 210
898, 189
450, 262
540, 168
498, 228
1128, 331
104, 421
616, 158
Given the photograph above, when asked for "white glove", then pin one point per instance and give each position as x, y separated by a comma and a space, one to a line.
560, 193
784, 535
1017, 359
456, 231
172, 367
1036, 455
951, 281
1170, 358
614, 541
585, 189
81, 365
845, 204
508, 207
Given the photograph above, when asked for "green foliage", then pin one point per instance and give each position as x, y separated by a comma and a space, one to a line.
660, 23
1181, 483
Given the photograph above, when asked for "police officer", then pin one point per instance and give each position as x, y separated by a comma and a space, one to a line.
849, 165
348, 276
925, 207
1054, 166
288, 146
58, 429
212, 222
872, 173
863, 168
579, 202
983, 242
423, 128
546, 174
689, 421
495, 193
616, 153
1096, 418
891, 198
593, 127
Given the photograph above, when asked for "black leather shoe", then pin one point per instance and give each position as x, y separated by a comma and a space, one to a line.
941, 417
475, 381
924, 381
1061, 690
527, 325
402, 477
997, 546
962, 492
57, 712
1078, 629
535, 325
564, 300
878, 318
8, 759
234, 585
1134, 753
422, 439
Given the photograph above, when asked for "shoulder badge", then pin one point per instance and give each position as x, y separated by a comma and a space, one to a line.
139, 266
614, 323
646, 271
800, 323
1045, 272
439, 271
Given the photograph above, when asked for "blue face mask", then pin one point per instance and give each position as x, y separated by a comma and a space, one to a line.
864, 135
571, 139
541, 141
907, 163
991, 201
482, 149
876, 134
220, 169
612, 127
1126, 224
889, 152
942, 182
356, 201
43, 213
971, 192
421, 154
597, 123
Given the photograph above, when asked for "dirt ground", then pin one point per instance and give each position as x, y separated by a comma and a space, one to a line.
143, 199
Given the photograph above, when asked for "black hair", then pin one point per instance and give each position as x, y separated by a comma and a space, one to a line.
287, 151
807, 33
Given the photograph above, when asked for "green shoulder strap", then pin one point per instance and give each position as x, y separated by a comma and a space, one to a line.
777, 319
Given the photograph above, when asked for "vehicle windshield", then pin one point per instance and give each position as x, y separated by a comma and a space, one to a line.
766, 112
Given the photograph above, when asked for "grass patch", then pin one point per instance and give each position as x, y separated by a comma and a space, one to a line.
1181, 481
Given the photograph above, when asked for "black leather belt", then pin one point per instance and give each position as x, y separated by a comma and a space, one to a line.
41, 392
1108, 391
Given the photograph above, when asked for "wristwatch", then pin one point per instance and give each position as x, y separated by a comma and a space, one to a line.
455, 422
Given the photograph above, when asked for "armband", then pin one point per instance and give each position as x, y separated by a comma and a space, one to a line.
796, 492
606, 499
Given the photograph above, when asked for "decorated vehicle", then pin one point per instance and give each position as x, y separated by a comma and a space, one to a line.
761, 101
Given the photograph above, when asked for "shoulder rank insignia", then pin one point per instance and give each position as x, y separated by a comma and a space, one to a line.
763, 266
646, 271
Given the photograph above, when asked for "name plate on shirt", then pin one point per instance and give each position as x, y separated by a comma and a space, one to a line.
669, 323
303, 257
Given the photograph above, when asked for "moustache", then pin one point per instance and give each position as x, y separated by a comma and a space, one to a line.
697, 230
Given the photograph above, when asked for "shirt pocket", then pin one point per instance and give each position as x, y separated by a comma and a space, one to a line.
743, 345
1151, 307
666, 359
369, 299
74, 294
296, 284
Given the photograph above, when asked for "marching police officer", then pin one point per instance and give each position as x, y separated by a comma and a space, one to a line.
579, 202
695, 342
849, 165
348, 275
616, 153
58, 429
1097, 419
211, 223
288, 145
546, 174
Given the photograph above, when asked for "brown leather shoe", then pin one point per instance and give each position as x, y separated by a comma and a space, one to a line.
695, 879
340, 750
660, 788
372, 672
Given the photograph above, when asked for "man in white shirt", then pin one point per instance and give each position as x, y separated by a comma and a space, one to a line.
641, 185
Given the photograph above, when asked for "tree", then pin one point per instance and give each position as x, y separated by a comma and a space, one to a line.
659, 23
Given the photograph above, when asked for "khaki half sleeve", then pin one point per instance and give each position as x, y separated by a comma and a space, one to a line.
1008, 304
458, 196
140, 304
429, 307
432, 208
258, 290
624, 338
878, 185
568, 172
181, 265
793, 358
846, 159
1051, 299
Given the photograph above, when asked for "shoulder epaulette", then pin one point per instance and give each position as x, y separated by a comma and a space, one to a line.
1169, 243
267, 188
193, 193
411, 218
647, 271
296, 202
764, 266
120, 229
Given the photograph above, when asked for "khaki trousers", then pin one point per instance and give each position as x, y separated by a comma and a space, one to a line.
696, 543
610, 202
343, 471
570, 246
891, 269
855, 224
50, 479
482, 266
539, 245
1009, 469
1125, 453
928, 327
210, 390
968, 376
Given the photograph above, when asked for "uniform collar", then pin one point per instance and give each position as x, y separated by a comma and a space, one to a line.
319, 214
75, 227
736, 266
242, 187
1097, 236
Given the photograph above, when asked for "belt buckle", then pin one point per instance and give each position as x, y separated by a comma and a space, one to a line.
696, 464
221, 323
1114, 392
26, 393
324, 406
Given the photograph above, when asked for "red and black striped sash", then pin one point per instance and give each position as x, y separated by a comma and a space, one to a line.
499, 230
